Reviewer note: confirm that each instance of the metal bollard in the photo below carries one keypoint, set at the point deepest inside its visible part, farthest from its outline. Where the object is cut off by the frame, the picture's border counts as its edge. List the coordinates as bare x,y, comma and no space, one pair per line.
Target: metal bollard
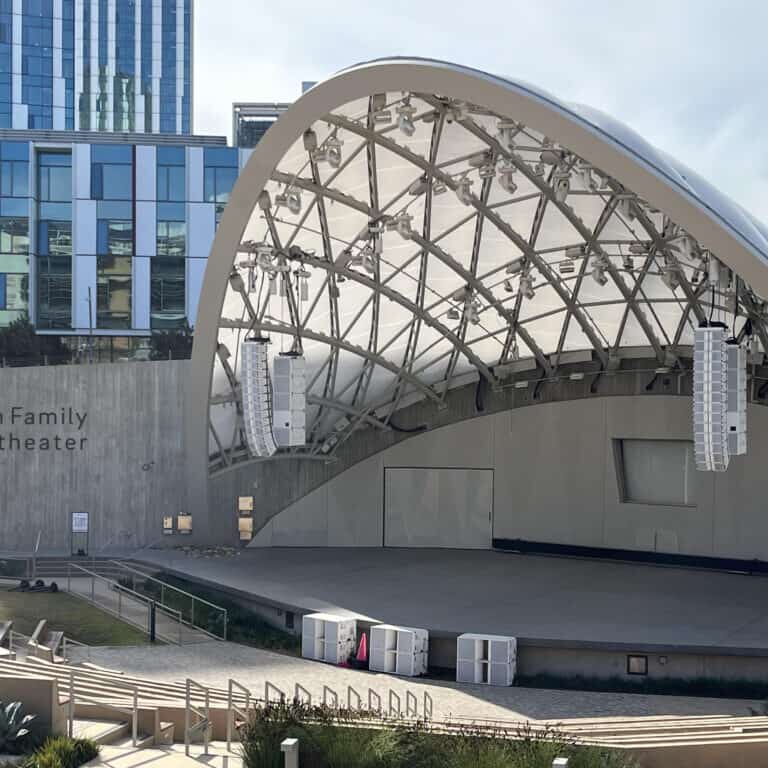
290,748
560,762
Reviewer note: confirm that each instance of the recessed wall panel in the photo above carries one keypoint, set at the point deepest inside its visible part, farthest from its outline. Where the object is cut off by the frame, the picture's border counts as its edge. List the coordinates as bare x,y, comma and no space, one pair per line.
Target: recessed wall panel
441,508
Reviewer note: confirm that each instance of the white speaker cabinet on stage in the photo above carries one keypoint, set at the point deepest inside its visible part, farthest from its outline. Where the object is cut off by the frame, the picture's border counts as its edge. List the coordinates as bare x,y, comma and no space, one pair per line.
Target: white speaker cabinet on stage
486,659
325,637
399,650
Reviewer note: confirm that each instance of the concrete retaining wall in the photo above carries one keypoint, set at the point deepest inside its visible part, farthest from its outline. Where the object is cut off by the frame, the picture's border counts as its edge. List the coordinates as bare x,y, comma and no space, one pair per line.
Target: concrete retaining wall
555,481
103,439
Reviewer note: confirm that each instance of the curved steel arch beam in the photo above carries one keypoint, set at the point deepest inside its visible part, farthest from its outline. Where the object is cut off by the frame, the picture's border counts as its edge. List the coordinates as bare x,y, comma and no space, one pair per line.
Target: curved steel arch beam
429,246
490,215
619,158
340,344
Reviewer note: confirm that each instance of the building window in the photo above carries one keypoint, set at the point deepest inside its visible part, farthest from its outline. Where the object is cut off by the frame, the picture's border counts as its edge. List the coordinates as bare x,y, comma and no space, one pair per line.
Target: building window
14,296
658,472
168,293
111,172
637,665
54,238
113,291
114,237
14,169
220,174
54,180
171,177
171,229
54,292
14,236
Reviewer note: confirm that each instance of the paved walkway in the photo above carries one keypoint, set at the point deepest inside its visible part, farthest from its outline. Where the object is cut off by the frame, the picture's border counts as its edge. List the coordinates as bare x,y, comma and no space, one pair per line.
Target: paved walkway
166,757
502,593
102,594
215,663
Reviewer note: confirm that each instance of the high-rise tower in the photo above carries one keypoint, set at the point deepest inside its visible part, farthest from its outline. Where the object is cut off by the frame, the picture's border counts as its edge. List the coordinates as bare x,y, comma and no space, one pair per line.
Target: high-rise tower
96,65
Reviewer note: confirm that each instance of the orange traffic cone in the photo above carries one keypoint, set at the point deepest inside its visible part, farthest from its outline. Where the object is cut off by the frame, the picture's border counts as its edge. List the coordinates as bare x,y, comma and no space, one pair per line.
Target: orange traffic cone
362,651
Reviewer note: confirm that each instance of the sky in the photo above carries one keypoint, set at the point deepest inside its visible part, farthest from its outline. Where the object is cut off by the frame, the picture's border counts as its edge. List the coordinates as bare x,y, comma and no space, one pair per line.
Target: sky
690,76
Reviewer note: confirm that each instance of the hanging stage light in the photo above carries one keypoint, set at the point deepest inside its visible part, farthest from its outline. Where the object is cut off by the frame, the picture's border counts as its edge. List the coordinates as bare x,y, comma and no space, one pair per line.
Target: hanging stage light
599,265
293,201
507,130
405,113
507,178
526,286
381,115
561,184
333,151
625,208
508,286
403,225
670,276
453,314
463,190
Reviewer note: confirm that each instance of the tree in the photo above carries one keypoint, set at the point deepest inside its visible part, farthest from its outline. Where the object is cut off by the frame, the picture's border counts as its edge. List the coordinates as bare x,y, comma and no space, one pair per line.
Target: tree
19,343
173,344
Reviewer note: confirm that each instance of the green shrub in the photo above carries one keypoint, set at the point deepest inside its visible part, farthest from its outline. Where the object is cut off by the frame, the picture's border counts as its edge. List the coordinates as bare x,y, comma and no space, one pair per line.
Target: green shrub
15,734
336,739
63,752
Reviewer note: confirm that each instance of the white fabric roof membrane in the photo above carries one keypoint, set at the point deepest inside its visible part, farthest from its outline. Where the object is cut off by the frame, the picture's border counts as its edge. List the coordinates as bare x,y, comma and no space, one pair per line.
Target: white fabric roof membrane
410,239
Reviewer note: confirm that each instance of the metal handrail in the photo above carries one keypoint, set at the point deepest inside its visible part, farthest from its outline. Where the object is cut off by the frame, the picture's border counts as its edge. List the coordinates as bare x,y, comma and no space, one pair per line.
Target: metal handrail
165,586
233,710
204,715
76,644
133,712
121,590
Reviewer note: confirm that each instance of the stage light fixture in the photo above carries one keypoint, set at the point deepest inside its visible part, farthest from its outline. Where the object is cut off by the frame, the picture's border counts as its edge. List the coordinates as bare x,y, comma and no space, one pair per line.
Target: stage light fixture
507,178
561,184
333,151
526,286
293,201
463,190
453,314
405,113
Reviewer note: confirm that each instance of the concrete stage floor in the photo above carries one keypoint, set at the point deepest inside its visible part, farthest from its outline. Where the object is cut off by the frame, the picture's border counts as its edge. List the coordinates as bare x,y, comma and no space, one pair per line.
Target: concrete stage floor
531,597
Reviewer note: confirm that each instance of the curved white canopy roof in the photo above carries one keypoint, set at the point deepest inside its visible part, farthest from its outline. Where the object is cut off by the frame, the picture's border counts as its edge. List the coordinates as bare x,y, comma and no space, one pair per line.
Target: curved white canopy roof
410,222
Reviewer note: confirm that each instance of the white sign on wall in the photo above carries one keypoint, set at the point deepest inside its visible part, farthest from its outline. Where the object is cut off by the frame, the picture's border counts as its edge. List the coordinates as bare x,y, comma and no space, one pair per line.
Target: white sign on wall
79,522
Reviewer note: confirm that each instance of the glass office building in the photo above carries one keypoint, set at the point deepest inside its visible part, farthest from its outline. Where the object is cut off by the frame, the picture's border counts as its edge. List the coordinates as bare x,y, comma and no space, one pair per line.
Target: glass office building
251,120
96,65
109,238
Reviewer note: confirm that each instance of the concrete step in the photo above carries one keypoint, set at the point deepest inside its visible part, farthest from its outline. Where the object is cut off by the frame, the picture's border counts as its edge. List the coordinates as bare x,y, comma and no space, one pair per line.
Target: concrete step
144,741
100,731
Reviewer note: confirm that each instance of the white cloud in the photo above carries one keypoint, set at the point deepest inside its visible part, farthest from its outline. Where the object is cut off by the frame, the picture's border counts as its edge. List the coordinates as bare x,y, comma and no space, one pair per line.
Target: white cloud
690,76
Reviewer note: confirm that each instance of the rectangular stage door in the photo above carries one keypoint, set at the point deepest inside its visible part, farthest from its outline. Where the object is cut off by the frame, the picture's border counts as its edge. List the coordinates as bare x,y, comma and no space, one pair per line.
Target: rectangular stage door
440,508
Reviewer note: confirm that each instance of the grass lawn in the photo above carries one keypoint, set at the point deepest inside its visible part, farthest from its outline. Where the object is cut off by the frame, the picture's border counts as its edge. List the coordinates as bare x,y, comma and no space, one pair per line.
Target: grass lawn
74,617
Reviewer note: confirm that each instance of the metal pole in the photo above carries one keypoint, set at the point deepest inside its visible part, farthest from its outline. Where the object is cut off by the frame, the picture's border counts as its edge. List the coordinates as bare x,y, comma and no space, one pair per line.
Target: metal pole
152,621
186,722
90,326
71,710
135,723
207,732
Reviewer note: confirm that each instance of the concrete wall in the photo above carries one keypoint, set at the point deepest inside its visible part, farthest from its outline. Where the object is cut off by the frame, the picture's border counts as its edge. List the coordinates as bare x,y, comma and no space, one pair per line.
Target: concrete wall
128,472
555,481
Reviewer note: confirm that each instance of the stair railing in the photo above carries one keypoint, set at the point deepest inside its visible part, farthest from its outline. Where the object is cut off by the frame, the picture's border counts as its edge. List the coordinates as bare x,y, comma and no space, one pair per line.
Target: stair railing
233,710
203,715
131,711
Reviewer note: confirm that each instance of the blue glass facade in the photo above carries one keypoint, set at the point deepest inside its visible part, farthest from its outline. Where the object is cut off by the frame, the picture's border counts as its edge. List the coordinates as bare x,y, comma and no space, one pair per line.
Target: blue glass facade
101,76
